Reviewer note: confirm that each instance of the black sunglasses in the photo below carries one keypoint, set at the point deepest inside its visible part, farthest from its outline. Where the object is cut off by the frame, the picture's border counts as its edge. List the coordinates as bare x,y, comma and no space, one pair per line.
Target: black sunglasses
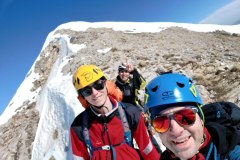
98,85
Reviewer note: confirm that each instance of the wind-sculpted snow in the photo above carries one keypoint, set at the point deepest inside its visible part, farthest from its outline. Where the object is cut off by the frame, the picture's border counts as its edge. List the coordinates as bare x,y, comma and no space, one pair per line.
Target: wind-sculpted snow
52,137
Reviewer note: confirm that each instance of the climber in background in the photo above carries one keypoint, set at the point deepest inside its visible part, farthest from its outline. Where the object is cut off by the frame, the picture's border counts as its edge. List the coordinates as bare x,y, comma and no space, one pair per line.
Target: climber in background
129,81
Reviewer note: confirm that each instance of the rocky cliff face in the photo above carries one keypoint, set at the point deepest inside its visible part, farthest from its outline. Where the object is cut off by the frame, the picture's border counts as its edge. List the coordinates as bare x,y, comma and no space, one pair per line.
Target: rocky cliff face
211,59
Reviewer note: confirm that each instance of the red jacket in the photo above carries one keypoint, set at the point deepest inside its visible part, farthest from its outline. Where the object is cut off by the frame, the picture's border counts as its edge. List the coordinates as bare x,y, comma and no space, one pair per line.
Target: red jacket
113,134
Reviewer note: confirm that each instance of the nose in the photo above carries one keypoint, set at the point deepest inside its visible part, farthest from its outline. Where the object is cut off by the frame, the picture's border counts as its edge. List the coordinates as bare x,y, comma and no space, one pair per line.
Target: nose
94,91
175,128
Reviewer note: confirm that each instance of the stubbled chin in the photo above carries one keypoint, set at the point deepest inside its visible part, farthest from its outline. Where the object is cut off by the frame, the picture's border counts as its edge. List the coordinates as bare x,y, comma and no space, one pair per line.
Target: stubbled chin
184,150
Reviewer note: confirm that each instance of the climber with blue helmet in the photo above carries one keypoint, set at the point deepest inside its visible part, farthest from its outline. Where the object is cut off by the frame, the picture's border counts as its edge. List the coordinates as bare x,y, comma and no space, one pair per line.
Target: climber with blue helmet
174,105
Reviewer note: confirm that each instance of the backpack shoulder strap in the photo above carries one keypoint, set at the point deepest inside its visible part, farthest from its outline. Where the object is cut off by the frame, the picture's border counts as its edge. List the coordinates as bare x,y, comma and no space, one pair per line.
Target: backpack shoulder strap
85,133
125,124
82,132
138,81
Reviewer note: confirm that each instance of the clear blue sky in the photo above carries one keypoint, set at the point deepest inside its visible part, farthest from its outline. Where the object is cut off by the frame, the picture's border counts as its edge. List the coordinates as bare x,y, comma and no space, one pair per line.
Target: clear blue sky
24,26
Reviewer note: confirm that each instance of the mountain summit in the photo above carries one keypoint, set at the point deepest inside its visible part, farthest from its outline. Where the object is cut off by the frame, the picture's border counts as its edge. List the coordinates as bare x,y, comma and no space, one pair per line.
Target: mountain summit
35,125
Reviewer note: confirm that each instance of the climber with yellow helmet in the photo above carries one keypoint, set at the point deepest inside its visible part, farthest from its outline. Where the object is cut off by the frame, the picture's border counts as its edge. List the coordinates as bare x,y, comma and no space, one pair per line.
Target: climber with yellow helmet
106,128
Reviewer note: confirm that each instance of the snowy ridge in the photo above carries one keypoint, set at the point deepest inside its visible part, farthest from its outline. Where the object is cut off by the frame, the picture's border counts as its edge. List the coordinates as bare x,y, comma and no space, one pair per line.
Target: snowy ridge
137,27
57,103
23,93
62,105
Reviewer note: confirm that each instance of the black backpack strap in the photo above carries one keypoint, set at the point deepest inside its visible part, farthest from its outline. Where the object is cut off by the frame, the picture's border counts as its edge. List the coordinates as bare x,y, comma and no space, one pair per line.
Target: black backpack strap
125,124
80,127
138,80
85,133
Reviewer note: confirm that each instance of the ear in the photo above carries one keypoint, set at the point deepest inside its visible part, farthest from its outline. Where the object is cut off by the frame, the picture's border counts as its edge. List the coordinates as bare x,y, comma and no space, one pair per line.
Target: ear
202,122
82,101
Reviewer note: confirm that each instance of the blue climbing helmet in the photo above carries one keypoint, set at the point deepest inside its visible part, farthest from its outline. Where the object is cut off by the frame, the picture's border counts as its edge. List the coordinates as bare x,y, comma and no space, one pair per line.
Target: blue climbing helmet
169,89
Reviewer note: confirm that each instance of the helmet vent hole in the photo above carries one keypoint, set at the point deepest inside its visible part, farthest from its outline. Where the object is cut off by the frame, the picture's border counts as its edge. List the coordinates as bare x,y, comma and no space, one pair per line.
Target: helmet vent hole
181,85
78,81
155,89
95,71
190,81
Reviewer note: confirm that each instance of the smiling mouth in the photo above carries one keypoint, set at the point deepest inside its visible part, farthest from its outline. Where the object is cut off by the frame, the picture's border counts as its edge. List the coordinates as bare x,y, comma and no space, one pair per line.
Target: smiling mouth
96,98
182,141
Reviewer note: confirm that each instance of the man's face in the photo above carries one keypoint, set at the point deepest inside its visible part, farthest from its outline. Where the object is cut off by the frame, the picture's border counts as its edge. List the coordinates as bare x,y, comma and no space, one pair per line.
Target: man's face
183,140
124,75
98,94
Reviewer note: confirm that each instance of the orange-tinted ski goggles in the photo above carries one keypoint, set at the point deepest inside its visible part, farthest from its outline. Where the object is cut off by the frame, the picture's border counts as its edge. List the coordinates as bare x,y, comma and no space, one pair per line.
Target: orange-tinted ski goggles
183,117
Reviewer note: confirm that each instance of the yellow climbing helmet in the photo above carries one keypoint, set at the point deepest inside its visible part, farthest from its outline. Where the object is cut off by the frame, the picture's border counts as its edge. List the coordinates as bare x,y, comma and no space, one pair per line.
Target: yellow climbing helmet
85,75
